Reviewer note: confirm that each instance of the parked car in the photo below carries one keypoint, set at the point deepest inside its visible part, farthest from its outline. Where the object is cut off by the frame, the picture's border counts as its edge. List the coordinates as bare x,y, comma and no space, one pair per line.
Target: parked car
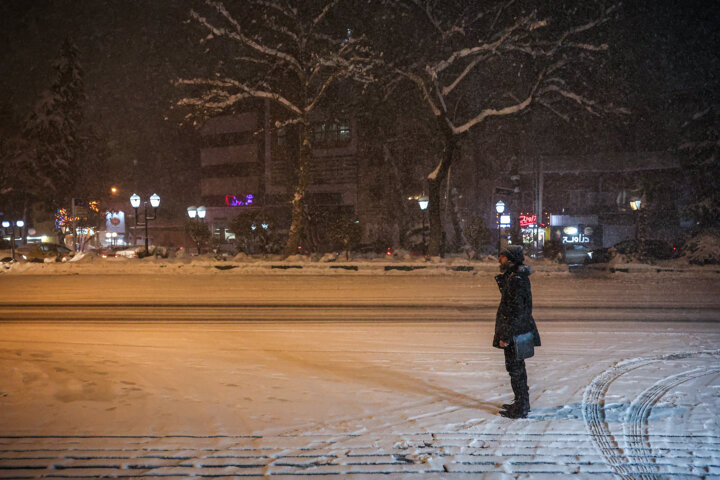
106,252
138,251
130,252
38,252
576,254
599,255
655,249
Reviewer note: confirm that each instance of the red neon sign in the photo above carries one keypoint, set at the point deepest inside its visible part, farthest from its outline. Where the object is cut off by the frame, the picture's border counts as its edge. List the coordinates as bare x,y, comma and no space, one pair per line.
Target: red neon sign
527,220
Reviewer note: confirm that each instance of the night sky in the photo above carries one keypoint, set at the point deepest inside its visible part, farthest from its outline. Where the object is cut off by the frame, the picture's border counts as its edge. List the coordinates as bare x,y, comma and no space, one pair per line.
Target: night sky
663,65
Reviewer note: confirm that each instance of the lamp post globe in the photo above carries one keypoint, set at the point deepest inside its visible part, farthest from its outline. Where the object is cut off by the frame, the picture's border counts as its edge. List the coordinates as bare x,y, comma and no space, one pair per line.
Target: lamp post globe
155,200
5,224
423,202
500,206
201,212
192,211
20,224
135,200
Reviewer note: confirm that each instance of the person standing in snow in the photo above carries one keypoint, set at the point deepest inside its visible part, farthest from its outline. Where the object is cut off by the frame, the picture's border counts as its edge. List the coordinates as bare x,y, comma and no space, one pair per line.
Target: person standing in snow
514,317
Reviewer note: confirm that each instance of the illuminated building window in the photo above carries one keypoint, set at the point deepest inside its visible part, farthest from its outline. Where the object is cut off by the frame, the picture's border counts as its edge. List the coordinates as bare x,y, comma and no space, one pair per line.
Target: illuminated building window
331,134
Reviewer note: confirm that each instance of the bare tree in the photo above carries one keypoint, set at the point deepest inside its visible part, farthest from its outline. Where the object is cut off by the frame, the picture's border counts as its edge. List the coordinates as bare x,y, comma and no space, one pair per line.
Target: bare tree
700,159
472,63
289,52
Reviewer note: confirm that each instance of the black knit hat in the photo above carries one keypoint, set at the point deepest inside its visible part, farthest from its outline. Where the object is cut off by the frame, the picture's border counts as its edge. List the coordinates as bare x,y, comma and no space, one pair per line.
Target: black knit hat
514,253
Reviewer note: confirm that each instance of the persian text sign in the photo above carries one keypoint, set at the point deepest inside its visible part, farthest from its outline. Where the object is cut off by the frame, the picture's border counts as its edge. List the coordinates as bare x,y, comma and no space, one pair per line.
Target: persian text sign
579,238
239,200
527,220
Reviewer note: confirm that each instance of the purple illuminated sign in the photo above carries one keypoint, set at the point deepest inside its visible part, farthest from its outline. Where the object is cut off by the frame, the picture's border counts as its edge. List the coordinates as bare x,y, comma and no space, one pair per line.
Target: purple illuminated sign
239,200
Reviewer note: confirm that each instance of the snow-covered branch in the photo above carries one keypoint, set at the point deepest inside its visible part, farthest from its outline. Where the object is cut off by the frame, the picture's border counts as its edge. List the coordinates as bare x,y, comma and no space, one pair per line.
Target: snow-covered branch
501,38
243,39
428,8
218,98
470,66
319,95
323,13
491,112
287,12
588,104
420,82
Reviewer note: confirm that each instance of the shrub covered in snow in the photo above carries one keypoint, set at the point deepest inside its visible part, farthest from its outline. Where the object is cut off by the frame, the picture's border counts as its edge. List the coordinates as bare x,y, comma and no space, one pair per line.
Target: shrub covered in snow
703,248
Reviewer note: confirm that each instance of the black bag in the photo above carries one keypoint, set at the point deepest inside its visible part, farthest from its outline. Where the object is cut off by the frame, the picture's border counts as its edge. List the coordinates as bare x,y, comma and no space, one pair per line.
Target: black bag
524,346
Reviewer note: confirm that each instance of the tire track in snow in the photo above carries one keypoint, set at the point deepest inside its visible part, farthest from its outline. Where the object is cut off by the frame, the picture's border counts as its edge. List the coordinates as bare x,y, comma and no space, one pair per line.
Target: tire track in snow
636,424
594,408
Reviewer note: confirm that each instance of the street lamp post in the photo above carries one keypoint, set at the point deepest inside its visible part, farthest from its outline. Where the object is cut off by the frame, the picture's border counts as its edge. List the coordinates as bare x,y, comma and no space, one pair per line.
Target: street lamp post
423,204
154,203
197,214
8,224
638,206
500,208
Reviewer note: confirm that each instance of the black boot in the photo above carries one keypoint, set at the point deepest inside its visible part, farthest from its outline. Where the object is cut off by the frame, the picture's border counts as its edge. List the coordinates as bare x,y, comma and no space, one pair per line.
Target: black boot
518,380
510,406
517,410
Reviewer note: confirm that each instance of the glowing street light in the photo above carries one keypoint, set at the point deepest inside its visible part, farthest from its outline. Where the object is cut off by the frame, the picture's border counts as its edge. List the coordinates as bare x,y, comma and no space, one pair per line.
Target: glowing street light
504,220
197,214
7,224
155,203
423,202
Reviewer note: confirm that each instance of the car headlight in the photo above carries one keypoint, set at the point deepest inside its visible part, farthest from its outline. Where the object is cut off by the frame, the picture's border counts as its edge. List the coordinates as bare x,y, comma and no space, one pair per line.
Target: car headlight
24,257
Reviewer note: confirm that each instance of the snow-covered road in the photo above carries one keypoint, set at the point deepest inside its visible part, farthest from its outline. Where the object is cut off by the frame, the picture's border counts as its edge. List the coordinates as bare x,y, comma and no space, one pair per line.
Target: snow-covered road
409,399
357,393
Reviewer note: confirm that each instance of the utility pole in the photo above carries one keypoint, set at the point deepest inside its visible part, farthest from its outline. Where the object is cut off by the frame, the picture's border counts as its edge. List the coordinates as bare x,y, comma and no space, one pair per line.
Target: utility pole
515,233
539,218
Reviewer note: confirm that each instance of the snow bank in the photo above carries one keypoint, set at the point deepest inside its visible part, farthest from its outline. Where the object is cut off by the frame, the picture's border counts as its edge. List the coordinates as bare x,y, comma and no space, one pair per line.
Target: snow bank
703,249
332,264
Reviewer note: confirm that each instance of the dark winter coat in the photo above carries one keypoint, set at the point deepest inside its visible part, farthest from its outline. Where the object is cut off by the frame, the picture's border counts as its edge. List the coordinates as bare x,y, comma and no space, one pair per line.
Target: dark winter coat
514,315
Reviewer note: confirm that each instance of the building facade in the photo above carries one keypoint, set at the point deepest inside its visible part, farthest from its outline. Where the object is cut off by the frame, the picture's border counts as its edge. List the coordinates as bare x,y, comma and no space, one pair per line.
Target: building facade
591,195
248,164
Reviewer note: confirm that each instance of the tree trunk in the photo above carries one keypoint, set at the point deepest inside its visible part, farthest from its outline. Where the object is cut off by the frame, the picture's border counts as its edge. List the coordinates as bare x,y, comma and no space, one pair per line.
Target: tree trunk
641,233
435,186
460,242
398,212
298,222
24,230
